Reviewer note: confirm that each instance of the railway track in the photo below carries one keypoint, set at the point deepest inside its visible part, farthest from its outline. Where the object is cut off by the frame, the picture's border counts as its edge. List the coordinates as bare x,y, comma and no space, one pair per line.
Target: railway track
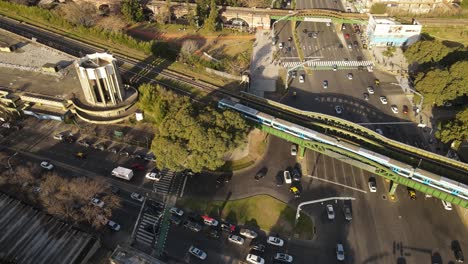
77,48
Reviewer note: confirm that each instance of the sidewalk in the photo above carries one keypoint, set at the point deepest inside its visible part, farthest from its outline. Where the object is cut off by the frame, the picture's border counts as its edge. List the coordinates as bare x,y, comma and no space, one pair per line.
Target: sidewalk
263,72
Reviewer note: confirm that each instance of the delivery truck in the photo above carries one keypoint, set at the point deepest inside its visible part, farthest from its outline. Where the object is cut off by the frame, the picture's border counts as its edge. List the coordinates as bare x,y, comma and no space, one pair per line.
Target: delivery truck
123,173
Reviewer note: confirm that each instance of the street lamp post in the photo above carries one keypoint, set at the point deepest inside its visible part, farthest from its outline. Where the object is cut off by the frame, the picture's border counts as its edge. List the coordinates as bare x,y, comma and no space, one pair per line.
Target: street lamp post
298,211
9,165
282,18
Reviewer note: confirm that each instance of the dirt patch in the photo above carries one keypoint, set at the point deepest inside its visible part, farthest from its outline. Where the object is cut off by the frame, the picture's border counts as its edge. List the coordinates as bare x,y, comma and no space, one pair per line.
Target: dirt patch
253,149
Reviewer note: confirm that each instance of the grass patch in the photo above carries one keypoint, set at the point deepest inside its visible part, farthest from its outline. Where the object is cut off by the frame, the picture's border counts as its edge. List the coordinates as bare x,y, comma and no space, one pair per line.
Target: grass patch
261,211
452,33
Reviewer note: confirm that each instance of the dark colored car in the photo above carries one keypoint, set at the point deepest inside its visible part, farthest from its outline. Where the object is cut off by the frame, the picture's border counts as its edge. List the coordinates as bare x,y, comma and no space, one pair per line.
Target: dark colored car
84,143
258,247
261,173
227,227
347,212
222,179
192,226
457,251
137,166
69,139
137,156
405,109
176,220
355,43
296,174
280,179
150,157
115,190
213,233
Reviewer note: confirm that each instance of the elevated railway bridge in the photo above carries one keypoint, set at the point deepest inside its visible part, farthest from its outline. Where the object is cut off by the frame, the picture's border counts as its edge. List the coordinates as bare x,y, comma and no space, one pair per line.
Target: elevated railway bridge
427,172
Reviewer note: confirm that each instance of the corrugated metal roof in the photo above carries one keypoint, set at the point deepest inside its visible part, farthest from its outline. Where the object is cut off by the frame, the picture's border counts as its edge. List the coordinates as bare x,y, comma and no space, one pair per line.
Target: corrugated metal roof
28,235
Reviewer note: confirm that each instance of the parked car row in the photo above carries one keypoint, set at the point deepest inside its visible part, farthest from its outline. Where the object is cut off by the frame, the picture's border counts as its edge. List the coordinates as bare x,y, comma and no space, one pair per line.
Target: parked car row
71,138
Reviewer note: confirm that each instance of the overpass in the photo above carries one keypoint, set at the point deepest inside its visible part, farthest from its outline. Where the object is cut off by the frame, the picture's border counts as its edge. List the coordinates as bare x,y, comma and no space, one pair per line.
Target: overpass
424,171
259,17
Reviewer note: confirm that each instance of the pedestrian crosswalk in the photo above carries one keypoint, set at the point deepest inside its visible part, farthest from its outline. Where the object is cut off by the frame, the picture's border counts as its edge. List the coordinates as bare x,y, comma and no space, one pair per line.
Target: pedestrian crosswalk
163,186
148,228
328,65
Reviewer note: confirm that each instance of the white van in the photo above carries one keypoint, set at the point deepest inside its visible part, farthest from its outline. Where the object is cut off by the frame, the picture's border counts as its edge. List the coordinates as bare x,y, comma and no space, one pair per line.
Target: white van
123,173
447,205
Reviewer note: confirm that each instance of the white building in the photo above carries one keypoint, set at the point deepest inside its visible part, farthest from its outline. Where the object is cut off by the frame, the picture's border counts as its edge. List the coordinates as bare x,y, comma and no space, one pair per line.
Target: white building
412,6
385,31
100,79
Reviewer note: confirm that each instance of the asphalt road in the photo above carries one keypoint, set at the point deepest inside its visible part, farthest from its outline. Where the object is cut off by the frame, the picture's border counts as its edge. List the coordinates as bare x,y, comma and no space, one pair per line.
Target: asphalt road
283,31
320,4
381,231
330,44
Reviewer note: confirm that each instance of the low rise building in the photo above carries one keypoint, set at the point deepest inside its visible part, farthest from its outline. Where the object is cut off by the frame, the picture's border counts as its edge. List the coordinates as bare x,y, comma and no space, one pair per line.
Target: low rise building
386,31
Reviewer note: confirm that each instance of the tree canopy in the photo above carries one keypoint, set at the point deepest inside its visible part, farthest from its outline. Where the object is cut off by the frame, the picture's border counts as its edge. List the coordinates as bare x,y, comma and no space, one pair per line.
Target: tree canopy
189,136
456,129
132,10
442,85
426,51
212,20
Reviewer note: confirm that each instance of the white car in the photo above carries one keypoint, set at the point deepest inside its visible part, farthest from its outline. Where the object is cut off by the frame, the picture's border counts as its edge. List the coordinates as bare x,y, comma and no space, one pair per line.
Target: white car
325,84
301,78
335,67
287,177
248,233
236,239
97,202
338,109
176,211
328,24
137,196
47,165
293,149
254,259
155,176
276,241
330,212
281,45
197,252
447,205
350,76
283,257
383,99
378,130
394,109
370,89
113,225
339,252
372,185
58,136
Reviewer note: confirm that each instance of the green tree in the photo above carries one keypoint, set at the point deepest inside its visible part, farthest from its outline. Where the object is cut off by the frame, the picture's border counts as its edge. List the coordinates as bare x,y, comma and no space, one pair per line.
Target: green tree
456,129
212,20
187,135
426,51
442,85
132,10
432,85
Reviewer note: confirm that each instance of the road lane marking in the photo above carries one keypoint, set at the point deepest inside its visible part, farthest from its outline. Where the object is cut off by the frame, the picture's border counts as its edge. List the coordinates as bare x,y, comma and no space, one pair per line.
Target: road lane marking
337,183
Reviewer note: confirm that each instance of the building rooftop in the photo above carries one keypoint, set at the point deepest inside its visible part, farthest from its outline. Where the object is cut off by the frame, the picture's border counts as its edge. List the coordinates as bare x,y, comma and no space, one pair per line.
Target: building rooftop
386,21
128,255
32,236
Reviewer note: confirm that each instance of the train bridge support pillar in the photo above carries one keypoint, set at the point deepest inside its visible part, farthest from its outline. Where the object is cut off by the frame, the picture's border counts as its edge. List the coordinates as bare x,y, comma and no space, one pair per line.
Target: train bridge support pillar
393,187
302,151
